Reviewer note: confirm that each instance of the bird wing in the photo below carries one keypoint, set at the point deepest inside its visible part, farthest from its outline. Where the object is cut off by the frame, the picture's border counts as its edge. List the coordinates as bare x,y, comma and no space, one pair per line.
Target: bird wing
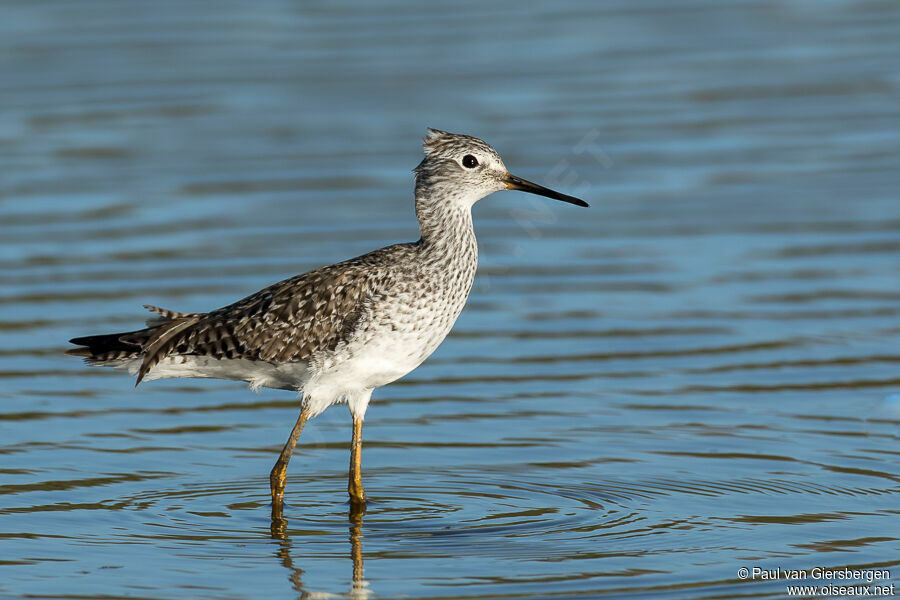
163,315
289,321
294,319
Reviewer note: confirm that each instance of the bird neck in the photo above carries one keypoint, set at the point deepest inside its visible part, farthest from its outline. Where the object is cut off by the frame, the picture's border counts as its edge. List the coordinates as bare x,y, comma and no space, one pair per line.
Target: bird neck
446,225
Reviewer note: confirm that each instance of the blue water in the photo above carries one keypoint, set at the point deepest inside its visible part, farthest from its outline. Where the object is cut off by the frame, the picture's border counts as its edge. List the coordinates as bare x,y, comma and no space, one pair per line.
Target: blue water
697,374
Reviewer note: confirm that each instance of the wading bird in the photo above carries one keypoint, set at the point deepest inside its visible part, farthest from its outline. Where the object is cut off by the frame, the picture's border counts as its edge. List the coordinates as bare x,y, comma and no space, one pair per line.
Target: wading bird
338,332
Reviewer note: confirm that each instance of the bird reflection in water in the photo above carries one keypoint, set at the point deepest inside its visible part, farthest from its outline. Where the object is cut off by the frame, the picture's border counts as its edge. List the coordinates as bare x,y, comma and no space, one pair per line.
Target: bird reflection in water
359,587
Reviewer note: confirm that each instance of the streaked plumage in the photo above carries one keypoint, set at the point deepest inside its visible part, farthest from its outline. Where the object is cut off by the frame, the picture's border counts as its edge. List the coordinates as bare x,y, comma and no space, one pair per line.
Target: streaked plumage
338,332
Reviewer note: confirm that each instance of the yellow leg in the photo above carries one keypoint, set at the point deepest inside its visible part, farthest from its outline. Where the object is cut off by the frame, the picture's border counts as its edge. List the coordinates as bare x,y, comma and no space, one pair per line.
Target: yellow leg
277,476
355,486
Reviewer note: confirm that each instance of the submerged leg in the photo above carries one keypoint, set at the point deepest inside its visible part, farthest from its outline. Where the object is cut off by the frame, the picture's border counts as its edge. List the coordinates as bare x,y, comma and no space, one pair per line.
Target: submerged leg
277,476
355,486
356,553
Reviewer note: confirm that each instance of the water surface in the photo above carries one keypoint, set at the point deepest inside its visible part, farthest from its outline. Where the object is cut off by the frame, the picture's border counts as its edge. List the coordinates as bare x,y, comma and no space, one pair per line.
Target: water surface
697,374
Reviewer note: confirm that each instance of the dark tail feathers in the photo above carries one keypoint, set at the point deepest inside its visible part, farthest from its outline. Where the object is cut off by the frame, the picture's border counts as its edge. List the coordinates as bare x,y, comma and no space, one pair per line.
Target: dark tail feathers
102,348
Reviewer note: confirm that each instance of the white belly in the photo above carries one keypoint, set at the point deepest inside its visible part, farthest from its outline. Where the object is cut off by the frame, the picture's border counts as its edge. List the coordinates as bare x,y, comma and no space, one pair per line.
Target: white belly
287,376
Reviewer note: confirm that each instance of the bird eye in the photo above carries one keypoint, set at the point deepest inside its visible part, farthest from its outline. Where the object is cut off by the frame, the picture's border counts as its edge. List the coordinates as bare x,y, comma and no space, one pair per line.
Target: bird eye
469,161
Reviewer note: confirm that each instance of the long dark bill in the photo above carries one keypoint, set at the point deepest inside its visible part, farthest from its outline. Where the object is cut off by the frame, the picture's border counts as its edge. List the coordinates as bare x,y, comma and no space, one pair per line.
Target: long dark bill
517,183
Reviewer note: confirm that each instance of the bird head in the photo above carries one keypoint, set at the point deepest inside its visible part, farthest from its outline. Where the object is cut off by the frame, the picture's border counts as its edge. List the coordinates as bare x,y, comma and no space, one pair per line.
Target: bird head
465,169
